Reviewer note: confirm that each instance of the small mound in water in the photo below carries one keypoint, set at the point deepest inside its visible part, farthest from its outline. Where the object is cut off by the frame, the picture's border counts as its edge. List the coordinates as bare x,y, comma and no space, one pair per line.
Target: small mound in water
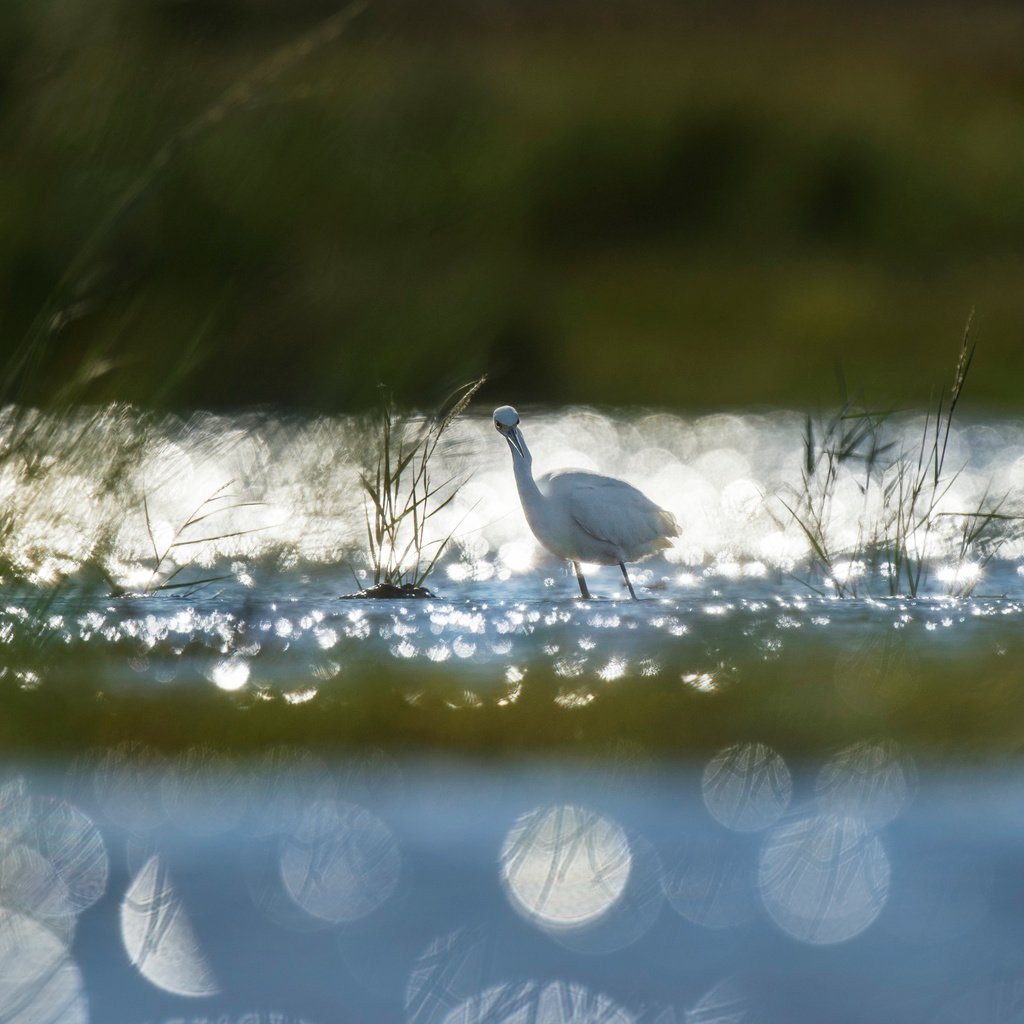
388,590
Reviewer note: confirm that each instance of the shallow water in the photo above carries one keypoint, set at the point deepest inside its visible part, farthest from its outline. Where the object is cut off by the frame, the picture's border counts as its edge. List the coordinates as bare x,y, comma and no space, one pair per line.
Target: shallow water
312,642
738,799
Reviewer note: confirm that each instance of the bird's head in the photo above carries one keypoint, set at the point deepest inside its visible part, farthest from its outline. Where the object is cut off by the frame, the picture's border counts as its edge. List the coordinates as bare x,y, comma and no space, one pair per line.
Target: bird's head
506,422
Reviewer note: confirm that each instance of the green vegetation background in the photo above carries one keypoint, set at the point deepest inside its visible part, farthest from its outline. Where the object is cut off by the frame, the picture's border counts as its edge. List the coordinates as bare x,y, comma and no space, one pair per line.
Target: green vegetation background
693,205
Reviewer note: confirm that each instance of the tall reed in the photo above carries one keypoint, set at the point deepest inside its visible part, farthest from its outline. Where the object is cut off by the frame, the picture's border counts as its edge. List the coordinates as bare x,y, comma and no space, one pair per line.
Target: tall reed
402,496
908,485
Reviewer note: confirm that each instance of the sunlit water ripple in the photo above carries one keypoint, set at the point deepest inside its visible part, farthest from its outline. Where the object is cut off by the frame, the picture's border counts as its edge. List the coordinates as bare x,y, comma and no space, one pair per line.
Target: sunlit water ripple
237,641
257,521
265,498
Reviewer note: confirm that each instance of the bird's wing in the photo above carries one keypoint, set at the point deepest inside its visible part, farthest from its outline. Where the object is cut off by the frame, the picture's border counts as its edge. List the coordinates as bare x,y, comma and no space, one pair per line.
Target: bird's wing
612,511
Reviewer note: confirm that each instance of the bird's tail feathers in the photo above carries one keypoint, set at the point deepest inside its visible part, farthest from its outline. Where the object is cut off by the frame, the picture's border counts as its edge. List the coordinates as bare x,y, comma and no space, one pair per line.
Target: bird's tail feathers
670,525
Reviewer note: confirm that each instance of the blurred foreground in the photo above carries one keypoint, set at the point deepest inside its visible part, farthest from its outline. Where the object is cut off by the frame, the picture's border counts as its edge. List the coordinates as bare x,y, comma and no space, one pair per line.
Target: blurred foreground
741,888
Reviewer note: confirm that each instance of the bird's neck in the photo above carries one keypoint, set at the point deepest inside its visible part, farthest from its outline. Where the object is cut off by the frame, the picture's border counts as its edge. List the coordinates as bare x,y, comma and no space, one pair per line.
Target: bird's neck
522,467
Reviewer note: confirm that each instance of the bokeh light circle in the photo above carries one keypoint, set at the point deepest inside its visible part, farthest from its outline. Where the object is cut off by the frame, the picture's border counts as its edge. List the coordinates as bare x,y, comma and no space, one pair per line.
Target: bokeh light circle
823,879
564,866
746,787
341,863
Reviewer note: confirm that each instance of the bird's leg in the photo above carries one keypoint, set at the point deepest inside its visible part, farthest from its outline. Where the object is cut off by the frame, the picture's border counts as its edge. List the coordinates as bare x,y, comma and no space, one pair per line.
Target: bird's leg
582,582
625,576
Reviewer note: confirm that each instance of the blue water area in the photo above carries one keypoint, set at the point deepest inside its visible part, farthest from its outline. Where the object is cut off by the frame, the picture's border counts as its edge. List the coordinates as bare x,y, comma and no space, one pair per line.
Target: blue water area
865,887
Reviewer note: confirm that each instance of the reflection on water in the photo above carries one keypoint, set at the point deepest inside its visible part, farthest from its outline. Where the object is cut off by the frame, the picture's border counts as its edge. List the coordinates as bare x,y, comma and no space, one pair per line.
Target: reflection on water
340,863
823,878
462,893
526,1003
629,917
726,1003
158,935
869,781
746,787
449,971
139,501
39,982
565,866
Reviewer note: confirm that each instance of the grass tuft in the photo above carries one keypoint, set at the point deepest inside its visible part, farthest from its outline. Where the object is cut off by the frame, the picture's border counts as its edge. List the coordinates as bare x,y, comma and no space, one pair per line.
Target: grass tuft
402,497
904,489
167,561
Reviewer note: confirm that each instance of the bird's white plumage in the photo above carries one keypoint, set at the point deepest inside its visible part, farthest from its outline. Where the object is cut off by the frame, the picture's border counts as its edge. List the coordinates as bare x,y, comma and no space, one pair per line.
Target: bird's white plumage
605,520
584,516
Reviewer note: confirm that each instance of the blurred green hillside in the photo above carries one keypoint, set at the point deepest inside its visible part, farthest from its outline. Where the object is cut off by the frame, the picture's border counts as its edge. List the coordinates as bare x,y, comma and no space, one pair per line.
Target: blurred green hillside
226,202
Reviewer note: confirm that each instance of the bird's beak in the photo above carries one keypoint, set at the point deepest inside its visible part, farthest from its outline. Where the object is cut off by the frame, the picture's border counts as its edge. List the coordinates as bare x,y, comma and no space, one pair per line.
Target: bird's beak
512,435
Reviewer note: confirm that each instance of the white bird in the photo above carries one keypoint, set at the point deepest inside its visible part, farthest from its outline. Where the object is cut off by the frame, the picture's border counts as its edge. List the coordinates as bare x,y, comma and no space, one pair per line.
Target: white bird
583,516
